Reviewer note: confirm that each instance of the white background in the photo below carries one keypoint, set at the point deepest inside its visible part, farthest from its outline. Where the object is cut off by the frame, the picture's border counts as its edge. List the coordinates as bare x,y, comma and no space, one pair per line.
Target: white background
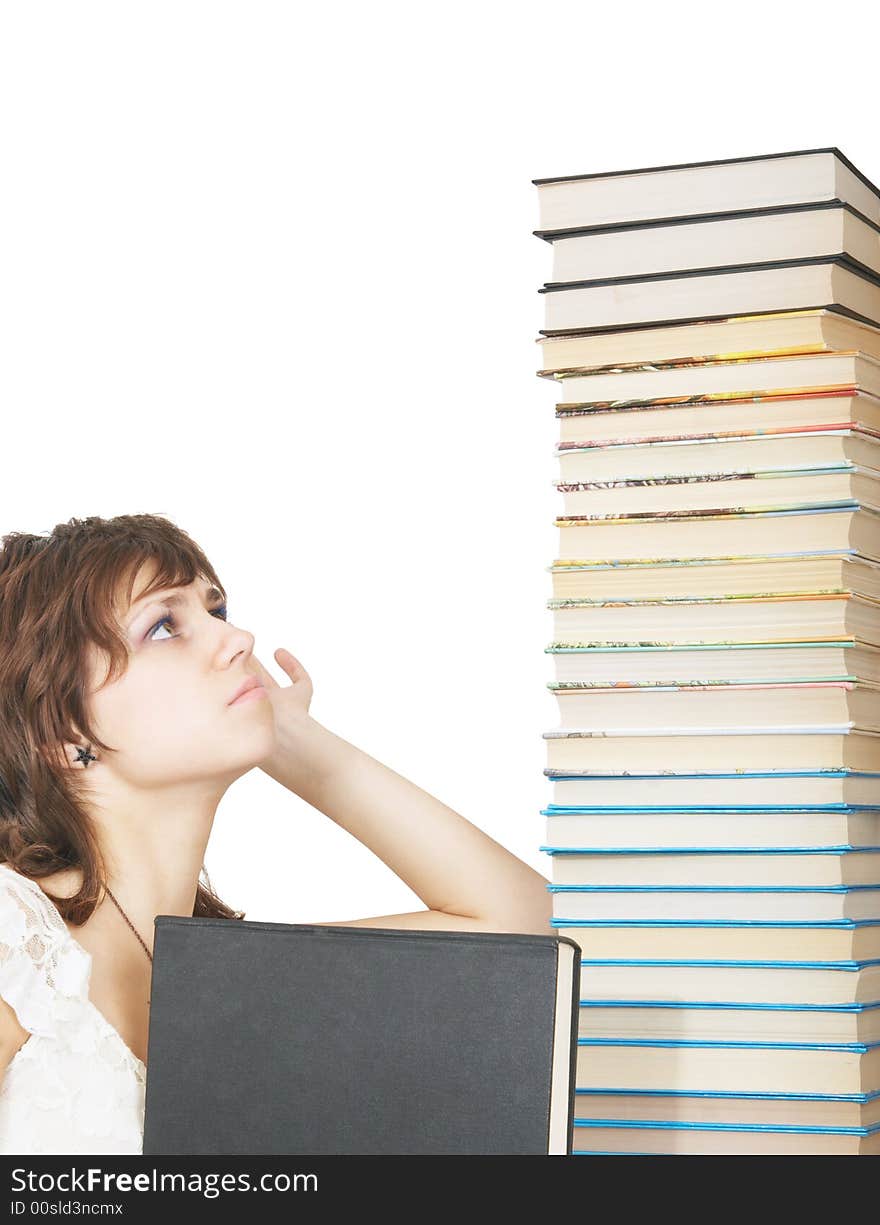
268,268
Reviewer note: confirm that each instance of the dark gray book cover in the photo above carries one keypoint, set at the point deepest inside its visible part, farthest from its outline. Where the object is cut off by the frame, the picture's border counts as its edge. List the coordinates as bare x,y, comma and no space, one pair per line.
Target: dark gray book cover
278,1038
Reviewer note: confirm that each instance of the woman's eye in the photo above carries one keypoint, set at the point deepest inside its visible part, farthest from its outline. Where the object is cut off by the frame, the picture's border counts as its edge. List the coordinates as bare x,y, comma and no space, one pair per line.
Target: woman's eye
168,619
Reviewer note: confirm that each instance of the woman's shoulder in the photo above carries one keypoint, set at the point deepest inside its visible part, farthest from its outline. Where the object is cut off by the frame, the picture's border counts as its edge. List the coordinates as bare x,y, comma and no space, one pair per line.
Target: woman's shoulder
34,939
39,963
25,911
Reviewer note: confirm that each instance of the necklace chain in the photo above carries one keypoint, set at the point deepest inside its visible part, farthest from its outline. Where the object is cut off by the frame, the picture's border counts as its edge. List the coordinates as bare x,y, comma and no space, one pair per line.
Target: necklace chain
129,922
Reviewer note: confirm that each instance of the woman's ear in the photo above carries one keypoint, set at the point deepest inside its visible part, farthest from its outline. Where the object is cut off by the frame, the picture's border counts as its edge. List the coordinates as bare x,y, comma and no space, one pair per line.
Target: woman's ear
82,755
72,755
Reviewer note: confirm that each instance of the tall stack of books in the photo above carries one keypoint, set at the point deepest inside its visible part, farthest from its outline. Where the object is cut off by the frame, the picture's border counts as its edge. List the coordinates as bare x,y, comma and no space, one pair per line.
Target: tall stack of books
713,331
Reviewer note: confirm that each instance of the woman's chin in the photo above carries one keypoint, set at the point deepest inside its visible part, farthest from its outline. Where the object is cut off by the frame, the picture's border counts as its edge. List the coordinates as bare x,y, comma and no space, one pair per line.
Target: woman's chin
258,744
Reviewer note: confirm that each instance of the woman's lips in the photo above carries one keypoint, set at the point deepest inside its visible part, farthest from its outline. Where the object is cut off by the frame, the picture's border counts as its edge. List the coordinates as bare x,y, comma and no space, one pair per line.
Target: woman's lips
257,691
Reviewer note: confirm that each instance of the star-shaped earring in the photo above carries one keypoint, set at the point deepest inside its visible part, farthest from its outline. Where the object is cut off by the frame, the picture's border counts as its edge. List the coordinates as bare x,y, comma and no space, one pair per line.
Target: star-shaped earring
84,756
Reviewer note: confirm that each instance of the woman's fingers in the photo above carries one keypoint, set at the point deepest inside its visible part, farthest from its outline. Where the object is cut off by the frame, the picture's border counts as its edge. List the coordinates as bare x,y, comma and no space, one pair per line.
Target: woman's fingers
266,679
290,664
301,682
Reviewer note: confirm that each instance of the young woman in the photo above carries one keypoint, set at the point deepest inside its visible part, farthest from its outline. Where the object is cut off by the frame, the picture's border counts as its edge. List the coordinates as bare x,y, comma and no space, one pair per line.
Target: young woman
129,702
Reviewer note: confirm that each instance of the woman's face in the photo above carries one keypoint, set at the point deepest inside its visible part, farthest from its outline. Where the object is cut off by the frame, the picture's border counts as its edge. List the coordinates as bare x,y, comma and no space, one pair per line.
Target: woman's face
169,716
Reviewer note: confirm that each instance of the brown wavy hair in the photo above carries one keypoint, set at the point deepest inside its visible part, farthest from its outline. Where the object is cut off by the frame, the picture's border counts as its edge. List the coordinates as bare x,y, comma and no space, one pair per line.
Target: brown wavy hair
59,593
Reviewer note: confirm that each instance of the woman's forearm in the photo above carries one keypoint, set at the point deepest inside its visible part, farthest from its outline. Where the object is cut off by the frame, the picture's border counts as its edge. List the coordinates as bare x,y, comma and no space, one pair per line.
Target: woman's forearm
448,862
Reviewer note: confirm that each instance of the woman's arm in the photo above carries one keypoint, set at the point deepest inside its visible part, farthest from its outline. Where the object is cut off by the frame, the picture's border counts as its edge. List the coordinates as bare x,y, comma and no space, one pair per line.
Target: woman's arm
467,880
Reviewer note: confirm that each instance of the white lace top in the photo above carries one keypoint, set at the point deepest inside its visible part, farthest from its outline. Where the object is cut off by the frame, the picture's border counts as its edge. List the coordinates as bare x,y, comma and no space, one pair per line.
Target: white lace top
74,1086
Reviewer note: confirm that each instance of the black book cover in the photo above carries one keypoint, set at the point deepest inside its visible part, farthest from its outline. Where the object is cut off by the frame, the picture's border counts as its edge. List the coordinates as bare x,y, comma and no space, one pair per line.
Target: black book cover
842,260
838,257
719,161
275,1038
610,227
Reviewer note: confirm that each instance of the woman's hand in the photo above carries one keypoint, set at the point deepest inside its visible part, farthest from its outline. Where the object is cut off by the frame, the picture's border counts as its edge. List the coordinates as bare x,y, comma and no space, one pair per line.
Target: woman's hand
290,707
288,701
293,761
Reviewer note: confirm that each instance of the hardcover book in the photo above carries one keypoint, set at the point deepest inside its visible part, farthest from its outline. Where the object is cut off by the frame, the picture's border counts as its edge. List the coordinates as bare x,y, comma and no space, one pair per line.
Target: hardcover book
712,333
285,1038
